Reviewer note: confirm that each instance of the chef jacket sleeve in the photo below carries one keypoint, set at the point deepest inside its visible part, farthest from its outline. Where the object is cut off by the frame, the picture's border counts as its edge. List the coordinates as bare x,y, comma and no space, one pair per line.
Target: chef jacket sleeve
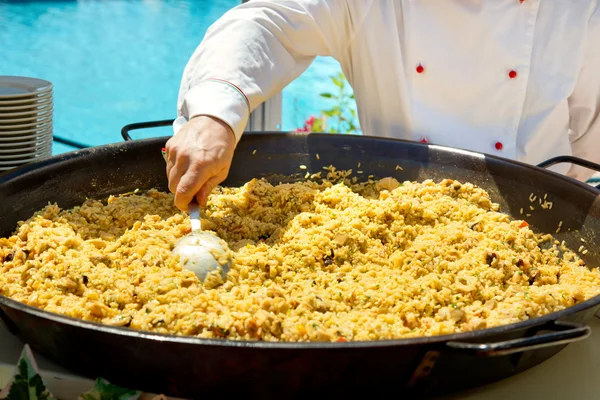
256,49
584,103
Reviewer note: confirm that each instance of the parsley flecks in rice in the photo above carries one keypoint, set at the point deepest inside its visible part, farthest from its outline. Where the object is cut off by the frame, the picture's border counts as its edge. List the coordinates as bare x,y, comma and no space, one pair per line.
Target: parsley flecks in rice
314,261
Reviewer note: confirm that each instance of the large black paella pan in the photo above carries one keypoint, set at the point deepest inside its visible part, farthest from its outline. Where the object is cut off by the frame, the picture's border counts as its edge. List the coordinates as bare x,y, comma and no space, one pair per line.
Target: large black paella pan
192,367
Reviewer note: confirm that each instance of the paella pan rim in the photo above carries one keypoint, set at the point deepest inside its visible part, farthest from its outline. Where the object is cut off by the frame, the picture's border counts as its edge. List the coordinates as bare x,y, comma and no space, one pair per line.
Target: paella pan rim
65,157
161,337
192,340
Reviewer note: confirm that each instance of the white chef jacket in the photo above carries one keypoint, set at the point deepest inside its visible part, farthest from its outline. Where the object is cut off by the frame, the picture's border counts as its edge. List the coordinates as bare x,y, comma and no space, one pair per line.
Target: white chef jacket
515,78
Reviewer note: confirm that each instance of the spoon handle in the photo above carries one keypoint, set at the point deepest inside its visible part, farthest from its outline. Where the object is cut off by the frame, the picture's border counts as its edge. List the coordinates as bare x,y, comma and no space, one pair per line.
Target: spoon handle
194,211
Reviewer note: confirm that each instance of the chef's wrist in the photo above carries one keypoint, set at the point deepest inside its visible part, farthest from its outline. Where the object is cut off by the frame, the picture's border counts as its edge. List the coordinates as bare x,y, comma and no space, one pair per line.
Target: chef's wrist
203,119
220,100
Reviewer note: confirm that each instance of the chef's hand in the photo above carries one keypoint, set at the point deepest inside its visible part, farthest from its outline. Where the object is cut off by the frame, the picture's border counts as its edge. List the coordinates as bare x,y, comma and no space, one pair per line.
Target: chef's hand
198,159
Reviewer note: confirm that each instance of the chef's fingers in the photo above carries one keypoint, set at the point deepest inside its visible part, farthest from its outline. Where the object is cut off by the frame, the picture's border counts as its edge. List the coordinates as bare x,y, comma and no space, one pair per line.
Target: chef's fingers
174,178
181,161
177,171
190,184
173,174
202,196
169,167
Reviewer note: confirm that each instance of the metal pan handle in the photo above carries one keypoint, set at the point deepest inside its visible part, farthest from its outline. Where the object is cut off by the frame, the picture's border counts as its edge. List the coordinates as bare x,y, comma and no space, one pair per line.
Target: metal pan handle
572,160
144,125
564,333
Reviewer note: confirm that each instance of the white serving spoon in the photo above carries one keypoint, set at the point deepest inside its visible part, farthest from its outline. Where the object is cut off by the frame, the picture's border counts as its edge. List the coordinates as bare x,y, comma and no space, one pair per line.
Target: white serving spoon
200,251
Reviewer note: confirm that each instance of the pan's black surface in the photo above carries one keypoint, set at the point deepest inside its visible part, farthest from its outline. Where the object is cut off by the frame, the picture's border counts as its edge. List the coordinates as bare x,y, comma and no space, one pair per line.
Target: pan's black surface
192,367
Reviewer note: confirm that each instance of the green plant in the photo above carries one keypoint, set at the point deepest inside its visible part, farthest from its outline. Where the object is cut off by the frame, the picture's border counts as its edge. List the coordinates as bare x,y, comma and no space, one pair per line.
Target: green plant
103,390
341,117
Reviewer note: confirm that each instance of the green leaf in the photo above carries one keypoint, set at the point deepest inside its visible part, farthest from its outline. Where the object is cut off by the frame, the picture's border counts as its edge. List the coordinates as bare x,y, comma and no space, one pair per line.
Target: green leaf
26,383
23,388
342,115
319,127
37,384
104,390
19,389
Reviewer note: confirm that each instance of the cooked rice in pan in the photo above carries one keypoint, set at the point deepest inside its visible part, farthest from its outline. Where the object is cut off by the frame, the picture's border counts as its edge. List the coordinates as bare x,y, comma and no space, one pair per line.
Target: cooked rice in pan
313,261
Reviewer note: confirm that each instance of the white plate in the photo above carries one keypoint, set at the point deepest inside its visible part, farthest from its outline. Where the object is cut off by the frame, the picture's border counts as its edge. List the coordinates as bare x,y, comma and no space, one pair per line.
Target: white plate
28,145
26,107
22,139
24,132
26,112
41,99
40,117
17,149
18,87
18,161
26,140
41,135
41,152
33,125
16,94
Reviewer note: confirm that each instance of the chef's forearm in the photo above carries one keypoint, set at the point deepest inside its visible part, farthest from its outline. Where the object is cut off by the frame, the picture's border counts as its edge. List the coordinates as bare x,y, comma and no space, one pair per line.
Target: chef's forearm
254,51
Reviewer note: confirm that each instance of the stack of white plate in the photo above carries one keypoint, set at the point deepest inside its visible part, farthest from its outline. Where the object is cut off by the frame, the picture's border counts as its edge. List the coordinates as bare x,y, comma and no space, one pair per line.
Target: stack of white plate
25,120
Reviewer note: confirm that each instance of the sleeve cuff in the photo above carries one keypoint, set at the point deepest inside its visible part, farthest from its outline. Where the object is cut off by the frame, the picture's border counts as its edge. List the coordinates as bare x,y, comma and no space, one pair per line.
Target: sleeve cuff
218,99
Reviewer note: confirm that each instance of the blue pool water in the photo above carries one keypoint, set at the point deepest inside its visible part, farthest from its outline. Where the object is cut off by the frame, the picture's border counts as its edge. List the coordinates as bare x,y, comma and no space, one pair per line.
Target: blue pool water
120,61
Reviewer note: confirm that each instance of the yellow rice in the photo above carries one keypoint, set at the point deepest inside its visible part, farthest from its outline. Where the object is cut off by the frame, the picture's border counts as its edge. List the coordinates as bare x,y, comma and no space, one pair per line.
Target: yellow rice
313,261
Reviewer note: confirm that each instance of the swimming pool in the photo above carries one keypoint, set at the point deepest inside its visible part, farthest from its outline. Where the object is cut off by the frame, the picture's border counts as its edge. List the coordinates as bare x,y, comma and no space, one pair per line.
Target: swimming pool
120,61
